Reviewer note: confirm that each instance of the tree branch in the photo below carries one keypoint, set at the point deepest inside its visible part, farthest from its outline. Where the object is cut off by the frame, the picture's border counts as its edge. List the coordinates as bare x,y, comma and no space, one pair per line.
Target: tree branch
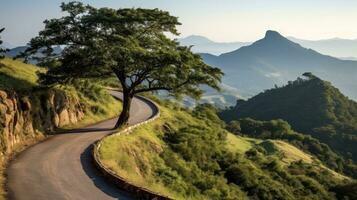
161,88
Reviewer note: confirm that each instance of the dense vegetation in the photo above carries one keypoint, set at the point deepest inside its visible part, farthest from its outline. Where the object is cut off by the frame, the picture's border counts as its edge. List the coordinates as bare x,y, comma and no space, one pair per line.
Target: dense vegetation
312,106
18,76
281,130
189,155
347,191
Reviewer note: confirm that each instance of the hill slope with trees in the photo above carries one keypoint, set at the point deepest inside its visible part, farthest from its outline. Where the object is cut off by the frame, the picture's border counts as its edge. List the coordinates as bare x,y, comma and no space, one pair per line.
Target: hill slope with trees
187,154
312,106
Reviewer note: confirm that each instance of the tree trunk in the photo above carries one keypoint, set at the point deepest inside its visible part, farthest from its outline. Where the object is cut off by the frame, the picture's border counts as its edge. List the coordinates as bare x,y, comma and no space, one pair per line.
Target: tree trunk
124,115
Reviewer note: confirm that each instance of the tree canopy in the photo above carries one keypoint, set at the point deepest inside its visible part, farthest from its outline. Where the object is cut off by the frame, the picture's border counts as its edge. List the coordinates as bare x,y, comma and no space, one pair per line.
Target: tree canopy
130,43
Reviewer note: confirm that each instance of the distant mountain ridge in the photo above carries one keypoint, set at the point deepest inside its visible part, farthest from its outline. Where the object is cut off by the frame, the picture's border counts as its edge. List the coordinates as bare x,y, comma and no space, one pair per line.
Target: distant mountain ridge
16,51
204,45
337,47
275,60
345,49
20,49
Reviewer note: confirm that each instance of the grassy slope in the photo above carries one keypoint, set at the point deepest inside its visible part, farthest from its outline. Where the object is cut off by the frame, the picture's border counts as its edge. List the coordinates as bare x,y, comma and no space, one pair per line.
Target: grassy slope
18,75
292,154
21,77
99,104
136,156
132,155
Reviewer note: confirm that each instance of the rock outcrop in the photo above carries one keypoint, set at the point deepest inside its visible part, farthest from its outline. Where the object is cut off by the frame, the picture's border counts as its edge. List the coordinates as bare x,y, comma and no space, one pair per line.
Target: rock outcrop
24,118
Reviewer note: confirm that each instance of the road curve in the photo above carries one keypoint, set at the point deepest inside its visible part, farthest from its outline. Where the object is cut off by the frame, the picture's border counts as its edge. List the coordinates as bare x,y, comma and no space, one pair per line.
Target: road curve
61,167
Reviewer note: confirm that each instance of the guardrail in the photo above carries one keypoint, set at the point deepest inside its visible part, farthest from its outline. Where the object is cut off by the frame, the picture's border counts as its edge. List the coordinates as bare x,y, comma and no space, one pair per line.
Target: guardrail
121,182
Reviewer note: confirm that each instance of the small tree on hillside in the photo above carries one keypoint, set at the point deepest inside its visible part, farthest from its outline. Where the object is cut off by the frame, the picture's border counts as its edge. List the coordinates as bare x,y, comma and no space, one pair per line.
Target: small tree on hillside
128,43
2,50
309,75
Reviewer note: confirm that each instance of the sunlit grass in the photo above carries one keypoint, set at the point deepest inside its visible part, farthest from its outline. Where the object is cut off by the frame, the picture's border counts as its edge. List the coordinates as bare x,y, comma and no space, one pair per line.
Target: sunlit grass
135,156
239,144
103,108
15,74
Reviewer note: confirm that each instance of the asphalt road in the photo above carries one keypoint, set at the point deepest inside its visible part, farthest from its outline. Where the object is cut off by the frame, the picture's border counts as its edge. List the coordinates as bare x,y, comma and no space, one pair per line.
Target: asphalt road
61,166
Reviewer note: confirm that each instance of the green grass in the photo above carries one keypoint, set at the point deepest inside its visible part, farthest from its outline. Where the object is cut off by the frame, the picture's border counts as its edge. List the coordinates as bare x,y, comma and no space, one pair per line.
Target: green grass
98,104
132,156
240,144
293,154
136,156
17,75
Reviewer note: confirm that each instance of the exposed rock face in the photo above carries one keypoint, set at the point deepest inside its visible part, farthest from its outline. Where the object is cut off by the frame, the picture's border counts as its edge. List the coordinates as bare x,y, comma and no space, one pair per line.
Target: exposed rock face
29,117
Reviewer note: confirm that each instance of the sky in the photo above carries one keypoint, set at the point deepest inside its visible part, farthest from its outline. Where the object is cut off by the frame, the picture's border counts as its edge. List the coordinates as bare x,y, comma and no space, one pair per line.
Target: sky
219,20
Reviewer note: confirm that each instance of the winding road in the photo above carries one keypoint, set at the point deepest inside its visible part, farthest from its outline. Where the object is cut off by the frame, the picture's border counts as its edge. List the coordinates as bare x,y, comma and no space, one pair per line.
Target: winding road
61,166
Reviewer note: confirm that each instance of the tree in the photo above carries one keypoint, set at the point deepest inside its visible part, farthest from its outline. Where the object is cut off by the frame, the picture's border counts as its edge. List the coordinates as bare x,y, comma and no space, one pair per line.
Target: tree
2,50
128,43
309,75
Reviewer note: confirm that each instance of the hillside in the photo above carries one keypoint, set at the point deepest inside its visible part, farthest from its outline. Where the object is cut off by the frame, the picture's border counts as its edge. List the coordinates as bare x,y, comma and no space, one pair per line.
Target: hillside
312,106
29,112
22,78
17,75
188,155
275,60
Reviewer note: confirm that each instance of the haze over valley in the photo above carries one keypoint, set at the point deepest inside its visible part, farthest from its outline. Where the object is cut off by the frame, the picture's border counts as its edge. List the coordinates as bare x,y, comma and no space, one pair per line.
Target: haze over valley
274,60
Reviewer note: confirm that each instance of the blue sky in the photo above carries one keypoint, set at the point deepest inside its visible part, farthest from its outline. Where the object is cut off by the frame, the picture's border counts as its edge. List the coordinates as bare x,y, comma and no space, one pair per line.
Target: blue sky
220,20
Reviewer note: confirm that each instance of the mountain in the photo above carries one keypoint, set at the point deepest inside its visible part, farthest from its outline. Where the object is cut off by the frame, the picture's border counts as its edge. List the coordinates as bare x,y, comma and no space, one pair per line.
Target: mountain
337,47
311,106
204,45
345,49
195,40
274,60
18,50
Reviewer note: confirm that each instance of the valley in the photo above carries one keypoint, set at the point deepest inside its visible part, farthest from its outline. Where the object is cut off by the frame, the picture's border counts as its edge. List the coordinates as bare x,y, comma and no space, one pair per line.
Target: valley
275,60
